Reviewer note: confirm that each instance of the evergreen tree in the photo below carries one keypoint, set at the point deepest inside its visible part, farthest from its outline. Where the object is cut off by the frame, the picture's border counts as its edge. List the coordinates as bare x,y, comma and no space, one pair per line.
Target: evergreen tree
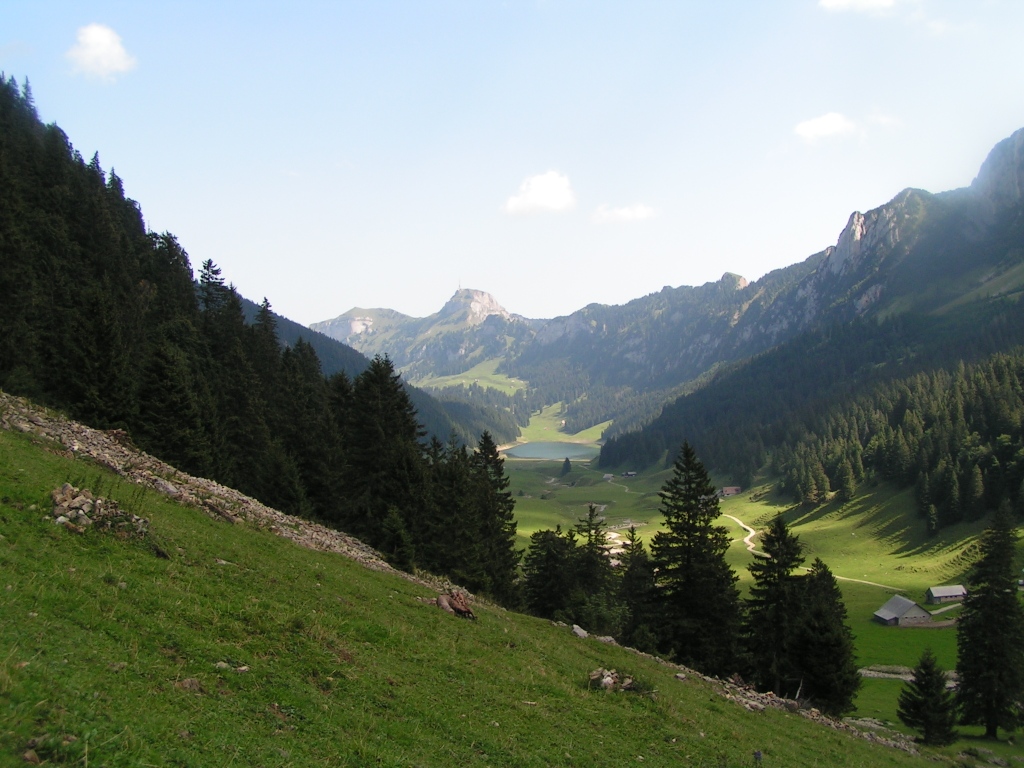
566,467
594,600
637,590
495,524
773,611
823,649
696,588
385,466
927,705
990,634
547,573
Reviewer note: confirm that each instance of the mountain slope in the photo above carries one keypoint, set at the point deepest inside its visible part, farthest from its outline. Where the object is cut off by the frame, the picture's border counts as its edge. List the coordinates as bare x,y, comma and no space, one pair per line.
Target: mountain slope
918,253
205,642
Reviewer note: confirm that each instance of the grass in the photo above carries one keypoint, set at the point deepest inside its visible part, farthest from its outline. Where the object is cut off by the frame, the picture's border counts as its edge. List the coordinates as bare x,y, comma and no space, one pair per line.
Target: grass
214,644
877,538
483,374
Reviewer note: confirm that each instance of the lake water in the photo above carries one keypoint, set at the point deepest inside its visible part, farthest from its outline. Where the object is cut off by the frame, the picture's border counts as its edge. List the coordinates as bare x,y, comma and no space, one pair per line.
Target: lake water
553,451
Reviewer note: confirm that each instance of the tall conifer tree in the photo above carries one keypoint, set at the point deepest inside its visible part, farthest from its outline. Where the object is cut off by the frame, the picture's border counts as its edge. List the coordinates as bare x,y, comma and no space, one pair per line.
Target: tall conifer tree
773,610
990,634
696,588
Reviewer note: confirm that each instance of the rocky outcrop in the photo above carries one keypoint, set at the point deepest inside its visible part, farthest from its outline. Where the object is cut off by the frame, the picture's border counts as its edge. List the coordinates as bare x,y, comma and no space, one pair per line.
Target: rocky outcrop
114,451
1001,179
77,509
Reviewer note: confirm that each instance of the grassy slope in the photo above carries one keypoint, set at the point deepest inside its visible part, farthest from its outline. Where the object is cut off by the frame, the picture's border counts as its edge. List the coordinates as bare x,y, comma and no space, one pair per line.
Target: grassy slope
346,666
482,374
868,539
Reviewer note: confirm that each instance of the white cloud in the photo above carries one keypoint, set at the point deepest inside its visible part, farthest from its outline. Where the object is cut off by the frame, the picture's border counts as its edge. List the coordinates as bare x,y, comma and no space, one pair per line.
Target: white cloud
857,5
827,126
99,53
635,212
548,191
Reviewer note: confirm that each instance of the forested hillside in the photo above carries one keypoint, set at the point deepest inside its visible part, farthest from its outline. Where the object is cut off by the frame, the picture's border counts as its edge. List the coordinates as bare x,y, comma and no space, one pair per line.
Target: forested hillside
103,319
914,287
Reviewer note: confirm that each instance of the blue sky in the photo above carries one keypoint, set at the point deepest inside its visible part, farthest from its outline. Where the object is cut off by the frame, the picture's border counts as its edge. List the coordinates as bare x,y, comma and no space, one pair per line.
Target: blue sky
381,154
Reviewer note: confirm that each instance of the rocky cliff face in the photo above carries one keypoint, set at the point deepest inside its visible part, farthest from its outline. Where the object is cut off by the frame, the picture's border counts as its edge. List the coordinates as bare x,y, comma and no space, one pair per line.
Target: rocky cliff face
1001,179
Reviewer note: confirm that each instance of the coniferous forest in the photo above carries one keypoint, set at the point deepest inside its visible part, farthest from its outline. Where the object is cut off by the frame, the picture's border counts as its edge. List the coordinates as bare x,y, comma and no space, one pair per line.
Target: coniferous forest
107,322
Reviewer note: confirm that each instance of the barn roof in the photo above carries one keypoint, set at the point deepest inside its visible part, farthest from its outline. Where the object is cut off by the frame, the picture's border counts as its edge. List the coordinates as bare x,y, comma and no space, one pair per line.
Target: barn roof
895,608
951,590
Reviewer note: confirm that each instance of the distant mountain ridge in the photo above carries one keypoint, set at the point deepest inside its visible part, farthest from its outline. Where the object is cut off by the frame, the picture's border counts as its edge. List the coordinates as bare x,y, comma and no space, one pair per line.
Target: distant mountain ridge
471,327
919,253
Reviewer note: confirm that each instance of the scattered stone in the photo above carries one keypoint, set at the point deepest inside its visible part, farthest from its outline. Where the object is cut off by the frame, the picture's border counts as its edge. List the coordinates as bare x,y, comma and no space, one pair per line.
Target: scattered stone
190,684
31,757
610,680
222,665
164,487
680,676
242,669
78,510
580,632
606,639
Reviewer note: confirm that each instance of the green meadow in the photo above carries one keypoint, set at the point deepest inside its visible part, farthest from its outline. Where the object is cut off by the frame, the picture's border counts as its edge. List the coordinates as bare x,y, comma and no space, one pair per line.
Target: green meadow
482,374
211,644
876,538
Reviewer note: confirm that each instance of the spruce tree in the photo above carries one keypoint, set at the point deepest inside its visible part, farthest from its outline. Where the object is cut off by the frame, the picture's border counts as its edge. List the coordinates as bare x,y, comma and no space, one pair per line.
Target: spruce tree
594,601
637,591
773,610
823,649
926,705
547,573
990,634
696,588
494,527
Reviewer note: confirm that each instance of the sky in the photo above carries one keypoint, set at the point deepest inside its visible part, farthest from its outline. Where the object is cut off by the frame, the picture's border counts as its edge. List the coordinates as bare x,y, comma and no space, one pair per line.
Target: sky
554,153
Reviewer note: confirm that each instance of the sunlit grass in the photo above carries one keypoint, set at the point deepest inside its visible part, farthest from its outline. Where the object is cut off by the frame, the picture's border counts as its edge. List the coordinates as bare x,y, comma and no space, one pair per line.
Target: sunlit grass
236,647
484,374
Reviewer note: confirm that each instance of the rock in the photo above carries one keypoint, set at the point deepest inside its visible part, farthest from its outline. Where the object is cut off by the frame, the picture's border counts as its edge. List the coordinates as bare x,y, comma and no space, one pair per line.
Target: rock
606,639
164,487
580,632
222,665
31,757
190,684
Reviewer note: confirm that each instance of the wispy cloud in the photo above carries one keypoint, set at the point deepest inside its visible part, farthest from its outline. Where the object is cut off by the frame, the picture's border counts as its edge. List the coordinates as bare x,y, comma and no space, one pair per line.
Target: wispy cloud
635,212
860,6
828,126
99,53
543,192
835,125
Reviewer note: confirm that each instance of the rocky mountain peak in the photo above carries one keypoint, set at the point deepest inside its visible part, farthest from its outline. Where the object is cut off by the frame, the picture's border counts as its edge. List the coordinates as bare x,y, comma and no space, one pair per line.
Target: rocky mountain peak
473,307
734,281
1001,178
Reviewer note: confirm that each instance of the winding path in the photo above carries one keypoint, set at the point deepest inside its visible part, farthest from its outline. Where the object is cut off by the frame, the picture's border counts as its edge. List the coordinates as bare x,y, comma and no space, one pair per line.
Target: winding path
751,547
751,533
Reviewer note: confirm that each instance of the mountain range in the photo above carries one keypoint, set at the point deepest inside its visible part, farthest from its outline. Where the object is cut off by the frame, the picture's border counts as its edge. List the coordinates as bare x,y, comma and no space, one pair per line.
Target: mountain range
918,254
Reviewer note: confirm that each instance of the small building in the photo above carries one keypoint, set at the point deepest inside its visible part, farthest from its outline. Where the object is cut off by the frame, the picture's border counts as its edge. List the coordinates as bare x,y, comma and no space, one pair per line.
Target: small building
900,611
730,490
629,474
948,594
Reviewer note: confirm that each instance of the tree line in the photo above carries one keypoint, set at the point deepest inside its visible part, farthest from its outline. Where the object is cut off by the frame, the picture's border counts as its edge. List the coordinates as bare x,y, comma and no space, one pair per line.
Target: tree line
105,320
956,435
